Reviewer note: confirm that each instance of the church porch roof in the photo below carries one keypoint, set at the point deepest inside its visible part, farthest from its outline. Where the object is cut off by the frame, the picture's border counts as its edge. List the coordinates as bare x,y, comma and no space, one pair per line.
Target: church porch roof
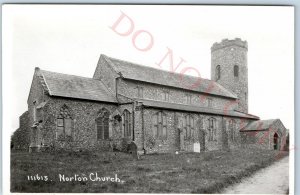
260,125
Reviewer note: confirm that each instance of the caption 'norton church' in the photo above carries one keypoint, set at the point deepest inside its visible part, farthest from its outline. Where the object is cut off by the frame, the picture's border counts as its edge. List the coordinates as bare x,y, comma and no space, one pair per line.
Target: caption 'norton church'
159,111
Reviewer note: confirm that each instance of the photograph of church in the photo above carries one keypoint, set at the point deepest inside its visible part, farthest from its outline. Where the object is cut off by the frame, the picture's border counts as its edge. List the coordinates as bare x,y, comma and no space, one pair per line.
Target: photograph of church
157,110
111,98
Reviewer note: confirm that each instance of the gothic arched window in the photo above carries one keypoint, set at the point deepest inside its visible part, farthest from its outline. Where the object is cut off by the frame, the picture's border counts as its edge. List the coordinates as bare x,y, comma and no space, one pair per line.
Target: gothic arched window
236,71
64,130
127,123
200,123
159,125
232,127
102,124
189,126
218,72
212,129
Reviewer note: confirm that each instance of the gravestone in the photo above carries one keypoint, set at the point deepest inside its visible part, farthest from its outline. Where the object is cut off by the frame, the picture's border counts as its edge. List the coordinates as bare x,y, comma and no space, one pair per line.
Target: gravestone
132,149
197,147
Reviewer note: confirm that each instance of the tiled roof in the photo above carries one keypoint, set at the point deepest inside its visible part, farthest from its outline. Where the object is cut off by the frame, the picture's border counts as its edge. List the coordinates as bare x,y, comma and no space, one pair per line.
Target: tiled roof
192,108
138,72
71,86
259,125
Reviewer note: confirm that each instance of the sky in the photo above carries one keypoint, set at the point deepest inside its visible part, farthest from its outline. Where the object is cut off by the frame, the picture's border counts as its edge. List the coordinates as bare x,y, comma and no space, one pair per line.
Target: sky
70,38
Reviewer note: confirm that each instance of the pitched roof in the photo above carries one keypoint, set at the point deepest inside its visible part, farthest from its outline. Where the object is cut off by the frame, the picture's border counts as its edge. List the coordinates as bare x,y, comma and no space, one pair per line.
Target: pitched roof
192,108
260,125
138,72
71,86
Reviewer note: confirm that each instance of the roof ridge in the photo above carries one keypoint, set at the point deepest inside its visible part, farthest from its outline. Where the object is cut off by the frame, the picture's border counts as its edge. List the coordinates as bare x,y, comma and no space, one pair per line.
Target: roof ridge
68,74
107,59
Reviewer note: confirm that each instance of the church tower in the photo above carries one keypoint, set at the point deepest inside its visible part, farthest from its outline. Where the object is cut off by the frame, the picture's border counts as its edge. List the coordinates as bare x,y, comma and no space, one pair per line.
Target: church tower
229,68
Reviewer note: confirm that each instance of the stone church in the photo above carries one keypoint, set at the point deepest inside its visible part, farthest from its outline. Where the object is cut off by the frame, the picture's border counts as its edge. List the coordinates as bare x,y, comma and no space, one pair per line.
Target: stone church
159,111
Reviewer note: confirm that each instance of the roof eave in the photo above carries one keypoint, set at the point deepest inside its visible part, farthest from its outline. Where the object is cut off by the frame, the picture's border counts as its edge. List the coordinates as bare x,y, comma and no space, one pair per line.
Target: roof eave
85,99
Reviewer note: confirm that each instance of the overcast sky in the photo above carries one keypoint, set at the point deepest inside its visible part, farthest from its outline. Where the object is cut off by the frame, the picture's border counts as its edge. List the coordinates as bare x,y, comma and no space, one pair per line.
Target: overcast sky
70,38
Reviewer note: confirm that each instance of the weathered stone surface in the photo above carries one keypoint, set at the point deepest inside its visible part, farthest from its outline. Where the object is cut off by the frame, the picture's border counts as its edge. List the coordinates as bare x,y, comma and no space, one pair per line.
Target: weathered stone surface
47,113
227,54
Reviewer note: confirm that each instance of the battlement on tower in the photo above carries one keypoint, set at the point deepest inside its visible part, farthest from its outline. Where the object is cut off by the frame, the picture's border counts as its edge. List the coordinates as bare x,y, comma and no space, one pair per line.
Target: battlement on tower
227,42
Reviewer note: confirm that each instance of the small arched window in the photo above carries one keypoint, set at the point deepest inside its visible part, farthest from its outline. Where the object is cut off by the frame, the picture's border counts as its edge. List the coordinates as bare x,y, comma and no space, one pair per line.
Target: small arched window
236,71
140,92
64,130
127,123
102,124
212,129
218,72
159,125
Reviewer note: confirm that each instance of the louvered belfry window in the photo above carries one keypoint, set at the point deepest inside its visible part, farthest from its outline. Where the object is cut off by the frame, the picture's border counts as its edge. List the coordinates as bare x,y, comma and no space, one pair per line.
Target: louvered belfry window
218,72
236,71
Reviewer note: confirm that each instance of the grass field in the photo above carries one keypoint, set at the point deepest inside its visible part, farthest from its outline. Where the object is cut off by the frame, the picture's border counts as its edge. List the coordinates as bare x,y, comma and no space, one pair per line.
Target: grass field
207,172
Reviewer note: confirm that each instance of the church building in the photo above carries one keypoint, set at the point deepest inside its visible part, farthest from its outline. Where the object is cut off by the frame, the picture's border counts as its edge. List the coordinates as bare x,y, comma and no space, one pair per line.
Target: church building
159,111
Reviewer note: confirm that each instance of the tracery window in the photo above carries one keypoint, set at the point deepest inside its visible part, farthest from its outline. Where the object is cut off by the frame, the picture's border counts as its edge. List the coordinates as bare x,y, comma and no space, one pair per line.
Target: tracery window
159,125
64,122
189,126
127,125
232,127
102,124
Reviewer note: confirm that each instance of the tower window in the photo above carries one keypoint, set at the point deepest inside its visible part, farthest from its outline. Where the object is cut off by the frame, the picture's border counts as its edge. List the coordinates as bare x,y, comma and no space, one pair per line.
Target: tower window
236,71
218,72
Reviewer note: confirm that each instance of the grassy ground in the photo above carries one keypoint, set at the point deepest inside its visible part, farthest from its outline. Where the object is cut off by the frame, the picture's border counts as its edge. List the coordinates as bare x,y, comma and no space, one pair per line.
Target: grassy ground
207,172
